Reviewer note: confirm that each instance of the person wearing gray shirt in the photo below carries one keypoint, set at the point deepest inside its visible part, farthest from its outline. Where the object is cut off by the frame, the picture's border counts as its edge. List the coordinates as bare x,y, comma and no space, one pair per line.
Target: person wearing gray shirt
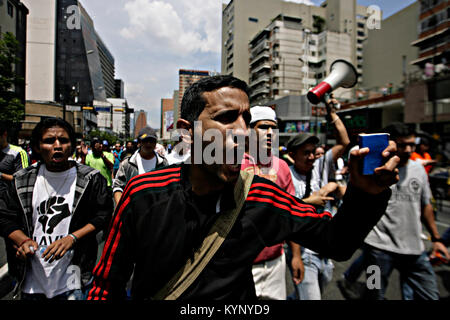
395,241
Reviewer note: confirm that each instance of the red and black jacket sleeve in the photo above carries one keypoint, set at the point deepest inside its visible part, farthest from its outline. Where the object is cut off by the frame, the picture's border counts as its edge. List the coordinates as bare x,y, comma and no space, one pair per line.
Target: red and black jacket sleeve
279,216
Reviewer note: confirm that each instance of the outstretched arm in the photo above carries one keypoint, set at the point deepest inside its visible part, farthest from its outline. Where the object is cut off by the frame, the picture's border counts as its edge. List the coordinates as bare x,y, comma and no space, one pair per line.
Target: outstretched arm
342,139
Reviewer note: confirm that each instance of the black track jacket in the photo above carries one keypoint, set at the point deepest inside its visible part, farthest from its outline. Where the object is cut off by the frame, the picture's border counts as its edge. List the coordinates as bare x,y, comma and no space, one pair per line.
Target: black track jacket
159,222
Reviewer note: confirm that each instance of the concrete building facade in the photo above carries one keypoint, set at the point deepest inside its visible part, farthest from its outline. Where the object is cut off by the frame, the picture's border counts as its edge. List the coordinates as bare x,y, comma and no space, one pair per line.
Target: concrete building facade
242,20
286,58
167,118
140,121
68,63
120,117
388,52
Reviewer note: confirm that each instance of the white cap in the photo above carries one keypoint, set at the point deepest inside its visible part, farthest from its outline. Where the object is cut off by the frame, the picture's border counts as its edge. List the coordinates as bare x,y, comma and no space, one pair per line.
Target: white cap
262,113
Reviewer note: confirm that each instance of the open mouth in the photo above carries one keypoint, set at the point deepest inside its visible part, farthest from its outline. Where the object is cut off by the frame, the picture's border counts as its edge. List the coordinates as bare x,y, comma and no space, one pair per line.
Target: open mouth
58,157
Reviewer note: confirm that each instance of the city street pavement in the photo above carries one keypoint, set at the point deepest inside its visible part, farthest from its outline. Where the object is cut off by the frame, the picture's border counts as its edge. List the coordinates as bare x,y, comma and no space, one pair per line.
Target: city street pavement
331,292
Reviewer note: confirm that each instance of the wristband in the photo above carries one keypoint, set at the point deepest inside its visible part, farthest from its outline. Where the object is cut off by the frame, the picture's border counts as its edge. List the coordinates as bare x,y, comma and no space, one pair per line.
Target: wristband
25,241
75,239
337,118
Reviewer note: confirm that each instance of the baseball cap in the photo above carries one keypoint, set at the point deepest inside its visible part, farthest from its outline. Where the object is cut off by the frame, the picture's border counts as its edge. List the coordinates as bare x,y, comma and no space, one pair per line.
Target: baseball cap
105,143
262,113
301,139
147,132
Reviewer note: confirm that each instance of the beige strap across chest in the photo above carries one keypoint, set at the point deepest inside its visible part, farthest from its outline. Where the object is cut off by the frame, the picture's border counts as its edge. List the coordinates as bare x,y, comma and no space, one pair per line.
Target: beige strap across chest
219,231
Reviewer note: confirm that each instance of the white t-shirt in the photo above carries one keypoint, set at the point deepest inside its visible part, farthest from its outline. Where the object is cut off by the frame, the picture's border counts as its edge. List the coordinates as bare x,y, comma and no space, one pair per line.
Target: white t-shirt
145,165
174,157
323,168
53,196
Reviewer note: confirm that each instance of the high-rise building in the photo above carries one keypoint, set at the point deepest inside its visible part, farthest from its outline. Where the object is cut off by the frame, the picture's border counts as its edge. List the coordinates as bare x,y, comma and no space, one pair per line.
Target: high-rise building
242,20
120,117
167,120
176,107
84,65
140,121
346,16
433,39
388,52
286,58
185,79
13,19
119,90
68,63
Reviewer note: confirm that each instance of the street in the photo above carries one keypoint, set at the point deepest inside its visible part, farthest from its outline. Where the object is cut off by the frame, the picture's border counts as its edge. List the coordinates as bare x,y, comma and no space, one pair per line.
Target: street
331,292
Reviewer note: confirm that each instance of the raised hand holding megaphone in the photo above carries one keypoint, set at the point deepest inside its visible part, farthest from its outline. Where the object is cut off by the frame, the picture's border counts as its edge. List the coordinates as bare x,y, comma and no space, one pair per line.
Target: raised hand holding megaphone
342,74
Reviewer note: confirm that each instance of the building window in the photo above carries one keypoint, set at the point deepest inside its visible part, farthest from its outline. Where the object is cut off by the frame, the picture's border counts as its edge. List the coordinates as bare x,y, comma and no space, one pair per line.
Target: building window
252,19
10,10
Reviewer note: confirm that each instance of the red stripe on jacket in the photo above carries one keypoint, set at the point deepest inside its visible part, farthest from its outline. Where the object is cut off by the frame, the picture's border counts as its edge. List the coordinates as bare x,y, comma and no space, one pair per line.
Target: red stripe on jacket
289,209
287,195
114,236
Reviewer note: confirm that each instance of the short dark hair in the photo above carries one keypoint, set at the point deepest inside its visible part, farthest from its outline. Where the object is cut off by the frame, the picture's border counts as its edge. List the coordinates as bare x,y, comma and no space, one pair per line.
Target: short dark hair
193,101
46,123
398,130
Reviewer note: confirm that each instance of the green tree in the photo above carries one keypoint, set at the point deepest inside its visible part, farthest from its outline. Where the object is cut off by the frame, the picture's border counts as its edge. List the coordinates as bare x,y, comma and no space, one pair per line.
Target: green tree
318,23
11,108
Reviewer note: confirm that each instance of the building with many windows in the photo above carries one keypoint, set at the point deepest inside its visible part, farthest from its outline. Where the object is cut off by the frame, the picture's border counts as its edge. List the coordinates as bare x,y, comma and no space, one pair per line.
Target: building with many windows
243,20
286,58
68,64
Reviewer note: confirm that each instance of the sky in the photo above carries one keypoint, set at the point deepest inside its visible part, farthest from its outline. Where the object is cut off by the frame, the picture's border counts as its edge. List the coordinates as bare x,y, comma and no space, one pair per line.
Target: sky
152,39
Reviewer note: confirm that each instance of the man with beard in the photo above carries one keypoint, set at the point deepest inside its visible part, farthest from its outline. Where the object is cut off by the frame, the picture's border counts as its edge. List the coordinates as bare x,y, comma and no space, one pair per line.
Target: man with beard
219,218
50,217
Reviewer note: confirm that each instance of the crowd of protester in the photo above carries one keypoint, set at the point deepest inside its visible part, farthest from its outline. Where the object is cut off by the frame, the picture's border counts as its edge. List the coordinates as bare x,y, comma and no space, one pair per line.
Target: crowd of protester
306,206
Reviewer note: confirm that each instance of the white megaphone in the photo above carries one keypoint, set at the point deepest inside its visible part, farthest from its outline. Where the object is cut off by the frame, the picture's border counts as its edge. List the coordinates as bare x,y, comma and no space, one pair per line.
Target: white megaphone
342,74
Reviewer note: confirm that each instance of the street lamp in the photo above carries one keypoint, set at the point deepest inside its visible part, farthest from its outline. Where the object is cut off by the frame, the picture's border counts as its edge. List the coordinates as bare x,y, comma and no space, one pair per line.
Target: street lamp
65,79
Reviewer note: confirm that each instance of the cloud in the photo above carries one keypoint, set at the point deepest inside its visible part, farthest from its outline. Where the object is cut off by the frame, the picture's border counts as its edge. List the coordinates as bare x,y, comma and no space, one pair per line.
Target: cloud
152,39
180,27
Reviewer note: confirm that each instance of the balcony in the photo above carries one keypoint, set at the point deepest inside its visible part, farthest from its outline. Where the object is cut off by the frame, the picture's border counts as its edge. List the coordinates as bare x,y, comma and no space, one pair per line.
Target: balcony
261,67
259,91
262,78
260,47
264,54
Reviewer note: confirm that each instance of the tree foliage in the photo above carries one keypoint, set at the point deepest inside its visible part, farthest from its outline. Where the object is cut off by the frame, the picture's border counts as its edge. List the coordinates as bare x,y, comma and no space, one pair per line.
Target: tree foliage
102,135
11,107
318,23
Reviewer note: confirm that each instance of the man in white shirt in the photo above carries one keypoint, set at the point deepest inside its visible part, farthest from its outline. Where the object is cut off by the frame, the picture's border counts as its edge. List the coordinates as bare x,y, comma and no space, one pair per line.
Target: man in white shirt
51,216
145,159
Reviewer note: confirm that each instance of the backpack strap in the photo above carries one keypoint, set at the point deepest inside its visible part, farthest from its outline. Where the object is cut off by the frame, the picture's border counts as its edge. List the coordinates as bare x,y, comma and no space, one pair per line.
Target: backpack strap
217,234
